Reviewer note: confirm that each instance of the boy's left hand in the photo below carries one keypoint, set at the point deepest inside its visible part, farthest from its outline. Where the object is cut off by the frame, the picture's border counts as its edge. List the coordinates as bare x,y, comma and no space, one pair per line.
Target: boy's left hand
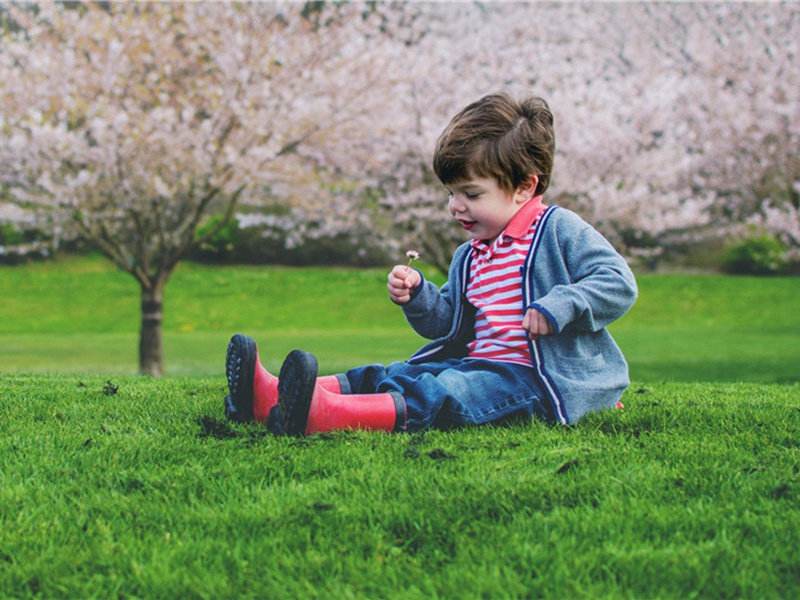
536,324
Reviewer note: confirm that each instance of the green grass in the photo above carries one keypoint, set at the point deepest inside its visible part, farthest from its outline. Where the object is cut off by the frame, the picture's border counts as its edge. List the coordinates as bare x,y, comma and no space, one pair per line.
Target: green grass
713,328
81,315
113,485
133,487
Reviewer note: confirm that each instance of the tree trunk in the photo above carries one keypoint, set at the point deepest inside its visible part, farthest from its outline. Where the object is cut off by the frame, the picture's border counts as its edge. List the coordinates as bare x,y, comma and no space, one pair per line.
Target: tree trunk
151,349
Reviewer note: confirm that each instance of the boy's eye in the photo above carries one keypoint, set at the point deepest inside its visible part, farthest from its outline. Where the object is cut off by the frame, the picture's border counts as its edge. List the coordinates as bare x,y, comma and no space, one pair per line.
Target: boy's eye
467,195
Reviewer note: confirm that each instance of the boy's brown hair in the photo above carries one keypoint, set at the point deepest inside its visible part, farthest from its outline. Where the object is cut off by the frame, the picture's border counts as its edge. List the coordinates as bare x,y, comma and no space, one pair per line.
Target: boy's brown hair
498,136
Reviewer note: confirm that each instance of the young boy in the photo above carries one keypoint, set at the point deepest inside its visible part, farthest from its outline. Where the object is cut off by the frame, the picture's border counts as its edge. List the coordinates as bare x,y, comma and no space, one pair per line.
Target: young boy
518,329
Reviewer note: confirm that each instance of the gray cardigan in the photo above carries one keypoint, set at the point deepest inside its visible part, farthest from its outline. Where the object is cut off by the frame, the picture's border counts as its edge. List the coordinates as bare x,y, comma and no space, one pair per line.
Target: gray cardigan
576,279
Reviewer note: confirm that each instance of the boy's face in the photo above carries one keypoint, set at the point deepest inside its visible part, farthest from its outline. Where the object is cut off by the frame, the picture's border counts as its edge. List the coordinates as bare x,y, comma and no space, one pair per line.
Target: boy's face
483,208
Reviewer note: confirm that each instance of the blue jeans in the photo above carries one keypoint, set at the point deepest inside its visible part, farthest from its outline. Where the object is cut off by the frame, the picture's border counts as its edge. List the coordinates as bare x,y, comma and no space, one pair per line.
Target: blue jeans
456,392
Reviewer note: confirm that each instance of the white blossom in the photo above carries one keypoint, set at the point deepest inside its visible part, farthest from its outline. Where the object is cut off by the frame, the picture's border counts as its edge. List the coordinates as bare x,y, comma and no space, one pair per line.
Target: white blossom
672,119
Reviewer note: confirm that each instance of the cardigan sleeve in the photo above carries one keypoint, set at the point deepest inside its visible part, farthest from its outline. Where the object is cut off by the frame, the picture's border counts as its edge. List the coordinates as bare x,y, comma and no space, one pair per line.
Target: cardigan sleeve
598,286
430,311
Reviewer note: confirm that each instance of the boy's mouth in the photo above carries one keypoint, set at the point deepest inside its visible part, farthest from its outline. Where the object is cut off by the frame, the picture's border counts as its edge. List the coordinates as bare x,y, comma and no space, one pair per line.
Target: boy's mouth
468,225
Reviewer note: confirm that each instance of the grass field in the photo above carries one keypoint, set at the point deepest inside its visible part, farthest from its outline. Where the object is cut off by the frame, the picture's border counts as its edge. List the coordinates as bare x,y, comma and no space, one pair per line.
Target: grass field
133,487
81,315
112,485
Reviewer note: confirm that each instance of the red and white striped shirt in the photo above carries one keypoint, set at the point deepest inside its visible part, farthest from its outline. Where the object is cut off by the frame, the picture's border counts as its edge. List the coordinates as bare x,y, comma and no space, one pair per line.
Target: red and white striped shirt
495,289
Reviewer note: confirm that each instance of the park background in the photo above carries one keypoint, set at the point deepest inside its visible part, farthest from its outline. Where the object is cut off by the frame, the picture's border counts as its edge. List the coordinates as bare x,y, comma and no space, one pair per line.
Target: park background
173,173
301,133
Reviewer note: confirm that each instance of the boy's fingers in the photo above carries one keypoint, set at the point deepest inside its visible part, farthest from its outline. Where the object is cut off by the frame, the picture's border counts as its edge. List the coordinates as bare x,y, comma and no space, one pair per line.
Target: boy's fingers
401,280
400,298
397,276
536,324
408,276
398,290
401,271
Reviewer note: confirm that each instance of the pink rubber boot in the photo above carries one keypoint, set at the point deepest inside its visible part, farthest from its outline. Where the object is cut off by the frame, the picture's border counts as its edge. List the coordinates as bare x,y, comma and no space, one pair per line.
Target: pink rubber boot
253,389
306,407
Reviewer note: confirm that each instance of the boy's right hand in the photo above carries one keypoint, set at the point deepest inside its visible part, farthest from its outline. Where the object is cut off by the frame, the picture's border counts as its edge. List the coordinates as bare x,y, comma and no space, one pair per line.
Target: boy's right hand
403,280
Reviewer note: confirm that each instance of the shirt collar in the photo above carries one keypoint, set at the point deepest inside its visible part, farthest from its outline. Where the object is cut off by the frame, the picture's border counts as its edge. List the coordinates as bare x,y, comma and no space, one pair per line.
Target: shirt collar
520,223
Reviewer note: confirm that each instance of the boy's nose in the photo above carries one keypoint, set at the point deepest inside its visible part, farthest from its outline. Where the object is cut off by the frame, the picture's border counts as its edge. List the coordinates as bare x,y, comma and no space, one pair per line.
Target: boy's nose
456,206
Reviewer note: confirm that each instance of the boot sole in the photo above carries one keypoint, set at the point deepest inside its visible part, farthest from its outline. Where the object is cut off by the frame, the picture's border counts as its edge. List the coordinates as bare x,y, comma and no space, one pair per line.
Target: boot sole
240,365
298,378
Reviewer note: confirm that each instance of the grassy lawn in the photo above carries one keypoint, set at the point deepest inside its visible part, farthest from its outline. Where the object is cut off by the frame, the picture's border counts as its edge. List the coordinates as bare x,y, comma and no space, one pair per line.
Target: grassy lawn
112,485
136,488
81,315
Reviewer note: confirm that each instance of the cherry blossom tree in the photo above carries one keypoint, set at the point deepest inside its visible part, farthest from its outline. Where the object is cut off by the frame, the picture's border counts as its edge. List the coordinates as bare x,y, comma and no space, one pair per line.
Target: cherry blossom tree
675,121
134,121
671,118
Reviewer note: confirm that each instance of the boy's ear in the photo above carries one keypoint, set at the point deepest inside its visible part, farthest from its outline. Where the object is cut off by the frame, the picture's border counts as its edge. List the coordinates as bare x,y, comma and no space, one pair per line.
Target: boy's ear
527,189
